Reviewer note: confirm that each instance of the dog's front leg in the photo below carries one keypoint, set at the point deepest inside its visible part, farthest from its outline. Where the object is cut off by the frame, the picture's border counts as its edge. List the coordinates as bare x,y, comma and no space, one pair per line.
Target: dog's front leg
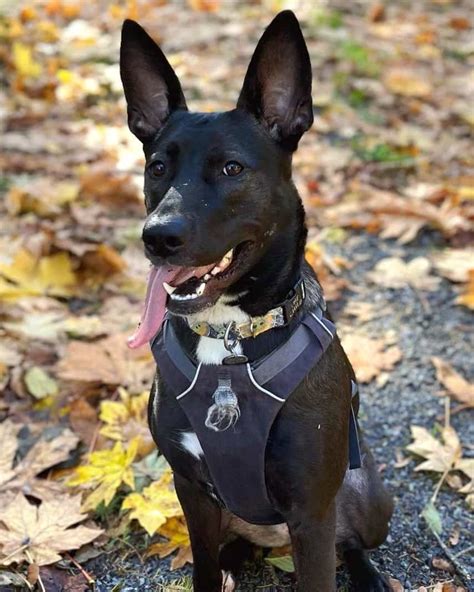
203,518
313,541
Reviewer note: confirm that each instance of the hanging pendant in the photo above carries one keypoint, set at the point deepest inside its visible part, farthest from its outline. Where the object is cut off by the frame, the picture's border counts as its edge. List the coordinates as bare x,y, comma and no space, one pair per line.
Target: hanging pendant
225,411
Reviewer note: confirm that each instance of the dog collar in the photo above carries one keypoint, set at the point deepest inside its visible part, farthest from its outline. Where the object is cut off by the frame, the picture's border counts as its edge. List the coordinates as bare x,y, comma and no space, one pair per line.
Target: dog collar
280,316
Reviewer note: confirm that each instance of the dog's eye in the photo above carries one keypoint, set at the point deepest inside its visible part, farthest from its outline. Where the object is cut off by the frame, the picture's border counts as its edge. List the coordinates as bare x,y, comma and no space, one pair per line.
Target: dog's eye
157,168
232,168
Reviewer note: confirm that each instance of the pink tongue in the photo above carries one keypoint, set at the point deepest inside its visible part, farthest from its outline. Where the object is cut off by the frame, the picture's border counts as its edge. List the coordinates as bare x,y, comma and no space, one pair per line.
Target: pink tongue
155,299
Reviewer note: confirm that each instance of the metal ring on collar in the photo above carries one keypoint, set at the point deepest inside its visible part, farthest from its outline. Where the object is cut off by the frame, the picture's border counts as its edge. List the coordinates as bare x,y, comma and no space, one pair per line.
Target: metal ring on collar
227,343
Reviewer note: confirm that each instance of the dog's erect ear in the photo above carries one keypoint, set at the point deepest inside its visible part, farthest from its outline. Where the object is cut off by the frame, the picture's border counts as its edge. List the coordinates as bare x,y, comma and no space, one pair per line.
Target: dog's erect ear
277,86
151,86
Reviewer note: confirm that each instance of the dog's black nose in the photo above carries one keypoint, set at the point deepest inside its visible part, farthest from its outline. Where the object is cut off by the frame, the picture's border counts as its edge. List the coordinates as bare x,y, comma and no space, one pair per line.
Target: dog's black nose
167,237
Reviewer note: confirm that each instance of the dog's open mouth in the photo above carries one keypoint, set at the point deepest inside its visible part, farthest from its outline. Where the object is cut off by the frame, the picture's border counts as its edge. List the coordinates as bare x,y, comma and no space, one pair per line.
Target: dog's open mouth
186,290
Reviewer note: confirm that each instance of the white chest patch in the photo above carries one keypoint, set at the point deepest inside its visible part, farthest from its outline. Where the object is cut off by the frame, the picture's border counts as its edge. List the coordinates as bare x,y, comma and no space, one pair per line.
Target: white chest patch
190,442
209,350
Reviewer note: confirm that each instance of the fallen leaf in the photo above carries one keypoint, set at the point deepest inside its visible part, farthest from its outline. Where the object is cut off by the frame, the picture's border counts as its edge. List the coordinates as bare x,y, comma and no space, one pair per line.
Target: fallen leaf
441,564
407,82
466,298
393,272
39,383
456,385
327,271
113,363
441,456
105,472
395,585
127,419
41,197
45,326
38,534
84,421
23,61
454,264
362,311
176,532
432,518
284,563
154,505
26,276
44,454
369,356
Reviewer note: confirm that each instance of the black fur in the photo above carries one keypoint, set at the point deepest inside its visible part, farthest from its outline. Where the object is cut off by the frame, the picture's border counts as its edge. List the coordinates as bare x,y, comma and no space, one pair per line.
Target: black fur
206,213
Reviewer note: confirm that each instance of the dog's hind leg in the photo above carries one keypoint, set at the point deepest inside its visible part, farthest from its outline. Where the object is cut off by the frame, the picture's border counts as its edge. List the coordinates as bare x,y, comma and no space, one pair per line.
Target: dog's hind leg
203,518
364,509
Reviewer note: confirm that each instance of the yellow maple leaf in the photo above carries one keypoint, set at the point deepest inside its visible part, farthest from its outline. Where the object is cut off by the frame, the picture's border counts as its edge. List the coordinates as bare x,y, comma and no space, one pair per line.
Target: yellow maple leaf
24,62
105,473
127,419
154,505
176,532
27,276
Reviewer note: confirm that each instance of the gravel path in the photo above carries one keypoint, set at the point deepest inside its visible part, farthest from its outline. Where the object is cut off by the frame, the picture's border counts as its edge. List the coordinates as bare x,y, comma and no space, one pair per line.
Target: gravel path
427,324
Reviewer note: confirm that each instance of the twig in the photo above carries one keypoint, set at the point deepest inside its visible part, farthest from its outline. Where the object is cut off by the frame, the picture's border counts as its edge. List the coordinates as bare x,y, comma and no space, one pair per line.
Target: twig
452,558
464,551
95,435
22,548
447,412
423,300
89,579
439,484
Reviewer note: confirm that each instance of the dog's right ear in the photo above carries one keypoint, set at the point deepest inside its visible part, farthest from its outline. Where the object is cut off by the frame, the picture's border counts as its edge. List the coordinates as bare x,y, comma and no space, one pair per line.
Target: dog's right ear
151,86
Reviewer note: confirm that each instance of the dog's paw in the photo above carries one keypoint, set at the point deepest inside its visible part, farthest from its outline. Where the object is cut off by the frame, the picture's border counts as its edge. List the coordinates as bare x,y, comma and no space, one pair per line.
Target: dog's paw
228,582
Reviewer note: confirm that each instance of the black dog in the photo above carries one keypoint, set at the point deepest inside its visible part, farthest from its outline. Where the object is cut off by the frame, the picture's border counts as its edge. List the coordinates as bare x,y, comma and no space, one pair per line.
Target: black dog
260,444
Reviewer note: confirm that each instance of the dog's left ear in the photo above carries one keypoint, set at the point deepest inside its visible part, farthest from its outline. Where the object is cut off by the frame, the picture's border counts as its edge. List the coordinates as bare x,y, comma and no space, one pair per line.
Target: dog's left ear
151,86
277,86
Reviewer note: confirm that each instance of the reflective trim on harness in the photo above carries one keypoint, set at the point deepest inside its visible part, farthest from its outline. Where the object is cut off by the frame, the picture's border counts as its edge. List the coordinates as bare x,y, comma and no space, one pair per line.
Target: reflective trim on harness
191,386
260,388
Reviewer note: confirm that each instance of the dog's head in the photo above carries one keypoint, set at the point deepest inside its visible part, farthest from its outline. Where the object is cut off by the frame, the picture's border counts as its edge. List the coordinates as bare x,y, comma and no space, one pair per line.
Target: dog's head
214,182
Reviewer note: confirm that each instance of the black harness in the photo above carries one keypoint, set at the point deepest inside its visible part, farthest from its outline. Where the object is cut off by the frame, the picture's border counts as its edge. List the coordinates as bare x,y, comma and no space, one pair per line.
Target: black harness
255,392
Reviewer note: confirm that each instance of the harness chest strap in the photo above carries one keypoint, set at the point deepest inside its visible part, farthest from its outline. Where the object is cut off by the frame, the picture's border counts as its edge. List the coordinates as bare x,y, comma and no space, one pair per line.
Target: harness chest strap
262,389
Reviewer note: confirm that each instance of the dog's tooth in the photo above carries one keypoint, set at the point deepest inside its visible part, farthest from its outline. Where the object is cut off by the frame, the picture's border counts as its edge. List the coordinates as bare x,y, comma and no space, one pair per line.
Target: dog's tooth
201,288
216,270
169,289
207,277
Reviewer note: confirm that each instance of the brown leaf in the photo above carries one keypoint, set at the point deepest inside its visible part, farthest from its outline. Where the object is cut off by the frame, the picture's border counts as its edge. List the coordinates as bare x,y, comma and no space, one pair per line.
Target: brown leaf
393,272
395,585
107,361
454,264
38,534
84,421
456,385
407,82
43,455
369,356
441,564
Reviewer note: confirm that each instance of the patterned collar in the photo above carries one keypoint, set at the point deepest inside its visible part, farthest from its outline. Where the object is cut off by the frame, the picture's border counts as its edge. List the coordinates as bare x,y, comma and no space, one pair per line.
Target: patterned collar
279,316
